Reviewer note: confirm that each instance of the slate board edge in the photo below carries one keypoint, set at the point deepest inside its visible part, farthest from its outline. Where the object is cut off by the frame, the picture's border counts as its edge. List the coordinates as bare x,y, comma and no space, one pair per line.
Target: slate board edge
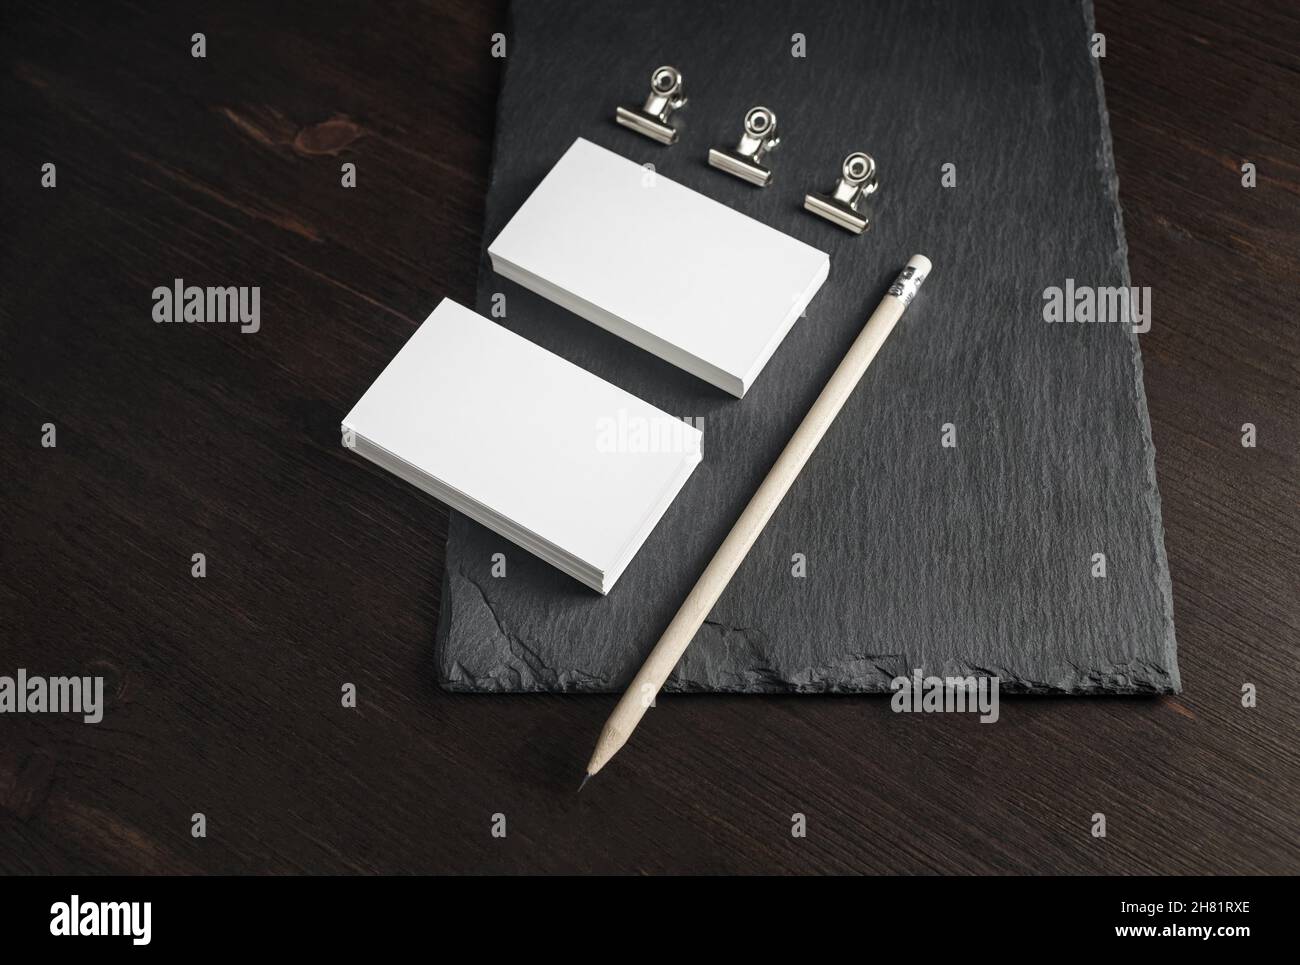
528,674
1161,561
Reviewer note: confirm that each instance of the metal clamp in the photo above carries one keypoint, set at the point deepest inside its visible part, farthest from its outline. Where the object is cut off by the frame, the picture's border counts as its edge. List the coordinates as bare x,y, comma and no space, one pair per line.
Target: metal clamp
652,119
857,181
746,160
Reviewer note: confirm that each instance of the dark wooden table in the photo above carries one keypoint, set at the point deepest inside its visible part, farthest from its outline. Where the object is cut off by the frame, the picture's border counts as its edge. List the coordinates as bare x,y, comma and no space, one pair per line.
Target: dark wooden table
224,692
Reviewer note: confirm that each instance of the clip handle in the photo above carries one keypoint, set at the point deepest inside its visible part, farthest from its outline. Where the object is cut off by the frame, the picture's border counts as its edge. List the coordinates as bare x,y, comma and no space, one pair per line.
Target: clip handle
666,93
759,135
857,179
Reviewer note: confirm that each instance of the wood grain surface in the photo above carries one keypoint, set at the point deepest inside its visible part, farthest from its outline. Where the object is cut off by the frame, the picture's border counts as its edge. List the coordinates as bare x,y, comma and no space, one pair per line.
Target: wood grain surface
224,692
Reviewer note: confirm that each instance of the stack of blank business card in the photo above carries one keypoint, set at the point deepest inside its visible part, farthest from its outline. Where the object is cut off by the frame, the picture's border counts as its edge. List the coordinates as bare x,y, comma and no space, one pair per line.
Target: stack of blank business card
698,284
556,460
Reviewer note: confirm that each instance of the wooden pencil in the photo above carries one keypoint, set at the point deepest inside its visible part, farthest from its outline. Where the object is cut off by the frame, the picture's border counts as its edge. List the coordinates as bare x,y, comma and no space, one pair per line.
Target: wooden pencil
668,651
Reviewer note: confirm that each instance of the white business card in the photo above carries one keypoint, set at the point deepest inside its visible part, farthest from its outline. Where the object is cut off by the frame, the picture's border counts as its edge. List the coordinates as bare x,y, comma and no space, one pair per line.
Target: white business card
561,462
681,275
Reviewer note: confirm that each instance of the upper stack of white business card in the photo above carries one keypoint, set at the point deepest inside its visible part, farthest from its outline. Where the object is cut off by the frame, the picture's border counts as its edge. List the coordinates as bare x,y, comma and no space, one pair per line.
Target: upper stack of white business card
553,458
680,275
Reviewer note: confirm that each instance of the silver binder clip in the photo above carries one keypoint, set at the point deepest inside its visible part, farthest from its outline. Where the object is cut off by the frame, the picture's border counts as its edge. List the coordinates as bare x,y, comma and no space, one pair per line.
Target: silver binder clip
746,160
652,119
857,181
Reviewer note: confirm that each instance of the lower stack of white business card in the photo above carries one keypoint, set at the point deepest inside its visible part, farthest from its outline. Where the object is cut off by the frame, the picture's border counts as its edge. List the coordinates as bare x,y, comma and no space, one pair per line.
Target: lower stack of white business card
558,461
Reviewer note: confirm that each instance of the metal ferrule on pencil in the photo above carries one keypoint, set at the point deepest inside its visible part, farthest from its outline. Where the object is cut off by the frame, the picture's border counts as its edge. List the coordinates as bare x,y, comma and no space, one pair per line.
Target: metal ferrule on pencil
907,284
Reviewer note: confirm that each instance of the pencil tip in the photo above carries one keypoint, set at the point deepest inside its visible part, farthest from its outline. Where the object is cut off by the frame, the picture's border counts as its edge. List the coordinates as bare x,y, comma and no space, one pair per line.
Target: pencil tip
586,777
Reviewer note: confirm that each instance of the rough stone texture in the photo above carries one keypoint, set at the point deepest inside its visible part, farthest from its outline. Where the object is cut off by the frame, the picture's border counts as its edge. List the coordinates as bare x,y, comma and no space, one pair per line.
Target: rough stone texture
967,560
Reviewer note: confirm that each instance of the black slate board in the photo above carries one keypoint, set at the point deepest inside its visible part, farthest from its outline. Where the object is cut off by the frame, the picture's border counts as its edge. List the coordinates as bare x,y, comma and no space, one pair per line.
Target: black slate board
974,559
